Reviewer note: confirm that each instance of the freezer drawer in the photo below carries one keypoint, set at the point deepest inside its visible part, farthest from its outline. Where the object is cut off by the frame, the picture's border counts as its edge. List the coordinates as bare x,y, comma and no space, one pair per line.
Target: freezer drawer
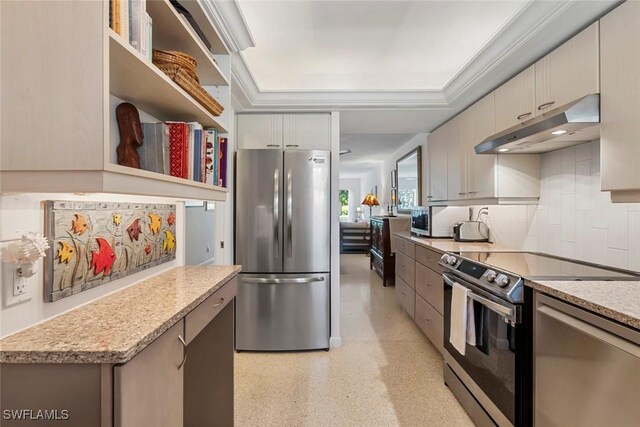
281,312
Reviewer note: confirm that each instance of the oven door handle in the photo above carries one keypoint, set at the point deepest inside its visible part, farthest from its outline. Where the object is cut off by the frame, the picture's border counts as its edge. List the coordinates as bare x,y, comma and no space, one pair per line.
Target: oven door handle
493,306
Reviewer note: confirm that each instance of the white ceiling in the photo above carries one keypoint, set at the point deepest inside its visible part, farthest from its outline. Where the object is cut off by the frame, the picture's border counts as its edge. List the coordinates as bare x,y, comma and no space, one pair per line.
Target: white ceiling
368,151
393,68
368,45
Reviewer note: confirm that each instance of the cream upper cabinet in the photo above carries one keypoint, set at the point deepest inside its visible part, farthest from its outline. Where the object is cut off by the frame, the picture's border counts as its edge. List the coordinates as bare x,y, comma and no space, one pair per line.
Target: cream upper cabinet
437,164
481,168
569,72
260,131
284,131
620,102
515,100
457,136
307,131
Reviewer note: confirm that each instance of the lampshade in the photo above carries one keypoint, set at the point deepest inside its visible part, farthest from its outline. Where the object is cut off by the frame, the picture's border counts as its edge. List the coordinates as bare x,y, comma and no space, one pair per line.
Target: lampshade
370,200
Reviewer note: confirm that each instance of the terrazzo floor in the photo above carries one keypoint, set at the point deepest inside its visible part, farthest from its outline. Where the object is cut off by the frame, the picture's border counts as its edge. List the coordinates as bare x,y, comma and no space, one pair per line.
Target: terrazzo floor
386,373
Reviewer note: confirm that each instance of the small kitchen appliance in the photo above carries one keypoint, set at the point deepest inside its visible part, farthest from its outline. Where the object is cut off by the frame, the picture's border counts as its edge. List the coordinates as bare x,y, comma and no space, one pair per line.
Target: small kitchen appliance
471,231
436,221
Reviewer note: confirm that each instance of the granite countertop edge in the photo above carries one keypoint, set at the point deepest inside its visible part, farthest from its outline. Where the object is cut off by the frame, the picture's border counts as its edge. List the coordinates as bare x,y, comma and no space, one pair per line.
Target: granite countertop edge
115,356
588,304
434,242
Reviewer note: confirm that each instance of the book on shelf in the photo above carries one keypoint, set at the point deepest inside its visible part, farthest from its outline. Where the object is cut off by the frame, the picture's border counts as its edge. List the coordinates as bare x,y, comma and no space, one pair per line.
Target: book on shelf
154,153
197,154
211,140
178,149
124,19
137,12
222,162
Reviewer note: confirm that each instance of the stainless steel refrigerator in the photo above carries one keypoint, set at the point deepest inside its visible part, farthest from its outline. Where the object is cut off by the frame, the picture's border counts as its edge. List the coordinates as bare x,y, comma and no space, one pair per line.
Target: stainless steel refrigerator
282,241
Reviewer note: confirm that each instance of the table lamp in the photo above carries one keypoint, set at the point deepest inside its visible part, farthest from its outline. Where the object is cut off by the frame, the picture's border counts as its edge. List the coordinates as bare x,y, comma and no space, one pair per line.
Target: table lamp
370,200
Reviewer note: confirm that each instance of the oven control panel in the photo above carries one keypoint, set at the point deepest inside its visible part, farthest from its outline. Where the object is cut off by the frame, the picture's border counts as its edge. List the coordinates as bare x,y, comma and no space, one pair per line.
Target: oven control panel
496,281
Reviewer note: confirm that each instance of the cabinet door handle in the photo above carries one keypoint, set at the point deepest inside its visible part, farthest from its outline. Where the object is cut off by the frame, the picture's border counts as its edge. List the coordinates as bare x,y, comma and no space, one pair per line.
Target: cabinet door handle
273,145
522,116
184,351
219,303
461,194
292,145
473,192
546,105
429,197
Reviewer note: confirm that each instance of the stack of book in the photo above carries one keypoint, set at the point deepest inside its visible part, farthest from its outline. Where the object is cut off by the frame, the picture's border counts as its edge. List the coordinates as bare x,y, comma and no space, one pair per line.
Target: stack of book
185,150
130,19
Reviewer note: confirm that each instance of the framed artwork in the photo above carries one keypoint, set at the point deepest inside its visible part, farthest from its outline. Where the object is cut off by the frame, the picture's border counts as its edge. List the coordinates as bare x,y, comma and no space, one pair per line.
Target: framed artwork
93,243
394,179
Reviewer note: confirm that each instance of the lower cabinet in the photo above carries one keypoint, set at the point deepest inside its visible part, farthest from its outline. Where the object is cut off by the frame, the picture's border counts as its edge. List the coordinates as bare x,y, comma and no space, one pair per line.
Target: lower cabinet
184,377
431,322
419,288
406,296
148,389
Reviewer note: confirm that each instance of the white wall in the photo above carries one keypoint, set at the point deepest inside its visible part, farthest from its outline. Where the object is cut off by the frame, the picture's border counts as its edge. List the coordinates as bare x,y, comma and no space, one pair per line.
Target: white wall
573,217
22,213
336,339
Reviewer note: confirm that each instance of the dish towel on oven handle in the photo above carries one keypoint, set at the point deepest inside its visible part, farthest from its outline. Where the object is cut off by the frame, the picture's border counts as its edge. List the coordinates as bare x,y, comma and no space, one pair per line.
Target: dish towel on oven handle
463,328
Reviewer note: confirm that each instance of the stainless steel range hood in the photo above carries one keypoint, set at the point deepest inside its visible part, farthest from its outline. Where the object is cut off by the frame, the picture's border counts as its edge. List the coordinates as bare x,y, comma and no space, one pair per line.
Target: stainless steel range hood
571,124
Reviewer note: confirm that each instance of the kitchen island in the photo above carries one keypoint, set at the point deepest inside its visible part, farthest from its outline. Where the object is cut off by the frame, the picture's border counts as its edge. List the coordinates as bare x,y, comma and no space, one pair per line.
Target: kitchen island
122,359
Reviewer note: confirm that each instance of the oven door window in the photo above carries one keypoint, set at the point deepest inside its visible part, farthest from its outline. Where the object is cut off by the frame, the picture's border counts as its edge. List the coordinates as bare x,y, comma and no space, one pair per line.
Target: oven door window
492,362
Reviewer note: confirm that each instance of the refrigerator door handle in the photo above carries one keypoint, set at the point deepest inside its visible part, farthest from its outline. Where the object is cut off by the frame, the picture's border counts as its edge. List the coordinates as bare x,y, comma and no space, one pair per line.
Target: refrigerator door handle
289,215
276,208
284,281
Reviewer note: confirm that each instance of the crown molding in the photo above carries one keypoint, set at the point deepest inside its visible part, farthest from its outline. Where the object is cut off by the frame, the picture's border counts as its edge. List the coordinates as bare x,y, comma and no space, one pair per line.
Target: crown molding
538,28
230,22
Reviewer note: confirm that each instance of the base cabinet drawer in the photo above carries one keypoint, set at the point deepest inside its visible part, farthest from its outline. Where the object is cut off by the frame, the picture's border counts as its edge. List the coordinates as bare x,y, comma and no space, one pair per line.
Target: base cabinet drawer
428,257
431,322
429,286
406,268
406,296
405,247
203,314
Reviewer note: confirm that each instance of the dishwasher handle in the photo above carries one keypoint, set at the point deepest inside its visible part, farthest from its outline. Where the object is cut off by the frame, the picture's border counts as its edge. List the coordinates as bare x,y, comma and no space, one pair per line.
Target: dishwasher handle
591,330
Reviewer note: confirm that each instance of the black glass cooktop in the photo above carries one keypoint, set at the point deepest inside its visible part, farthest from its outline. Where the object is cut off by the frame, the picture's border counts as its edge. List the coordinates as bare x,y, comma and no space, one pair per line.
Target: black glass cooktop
542,266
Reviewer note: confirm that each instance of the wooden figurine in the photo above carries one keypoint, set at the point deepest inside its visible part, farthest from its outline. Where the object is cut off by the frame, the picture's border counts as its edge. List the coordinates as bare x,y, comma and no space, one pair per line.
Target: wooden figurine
131,136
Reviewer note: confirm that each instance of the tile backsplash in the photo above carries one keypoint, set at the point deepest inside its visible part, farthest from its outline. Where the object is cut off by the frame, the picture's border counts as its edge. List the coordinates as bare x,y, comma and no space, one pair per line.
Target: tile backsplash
573,217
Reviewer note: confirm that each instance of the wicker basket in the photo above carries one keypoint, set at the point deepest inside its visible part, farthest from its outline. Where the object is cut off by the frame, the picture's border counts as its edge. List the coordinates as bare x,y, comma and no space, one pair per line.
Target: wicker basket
179,75
169,57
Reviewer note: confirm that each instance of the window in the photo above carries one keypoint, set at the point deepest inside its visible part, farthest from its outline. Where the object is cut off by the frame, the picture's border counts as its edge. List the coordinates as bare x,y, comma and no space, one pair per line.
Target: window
344,205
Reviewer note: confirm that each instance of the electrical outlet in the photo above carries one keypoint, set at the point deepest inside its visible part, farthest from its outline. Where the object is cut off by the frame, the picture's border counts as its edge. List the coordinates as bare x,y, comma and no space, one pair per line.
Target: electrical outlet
16,289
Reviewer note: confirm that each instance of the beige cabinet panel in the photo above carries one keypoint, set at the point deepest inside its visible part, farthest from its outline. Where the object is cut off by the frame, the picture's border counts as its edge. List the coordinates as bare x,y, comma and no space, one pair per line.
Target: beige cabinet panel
429,286
405,247
406,268
481,173
148,390
456,160
569,72
260,131
437,170
428,257
515,100
406,296
620,99
307,132
431,322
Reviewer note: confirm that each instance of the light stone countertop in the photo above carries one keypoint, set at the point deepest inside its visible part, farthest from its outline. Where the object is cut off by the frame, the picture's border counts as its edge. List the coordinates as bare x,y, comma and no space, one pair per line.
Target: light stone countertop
617,300
450,245
116,327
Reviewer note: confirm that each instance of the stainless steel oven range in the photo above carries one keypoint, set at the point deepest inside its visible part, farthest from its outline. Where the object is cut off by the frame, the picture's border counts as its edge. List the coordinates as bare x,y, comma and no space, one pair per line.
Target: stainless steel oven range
493,379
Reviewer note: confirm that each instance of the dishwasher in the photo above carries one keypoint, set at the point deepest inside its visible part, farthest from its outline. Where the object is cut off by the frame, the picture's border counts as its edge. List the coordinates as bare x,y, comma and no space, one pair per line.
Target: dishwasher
587,368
